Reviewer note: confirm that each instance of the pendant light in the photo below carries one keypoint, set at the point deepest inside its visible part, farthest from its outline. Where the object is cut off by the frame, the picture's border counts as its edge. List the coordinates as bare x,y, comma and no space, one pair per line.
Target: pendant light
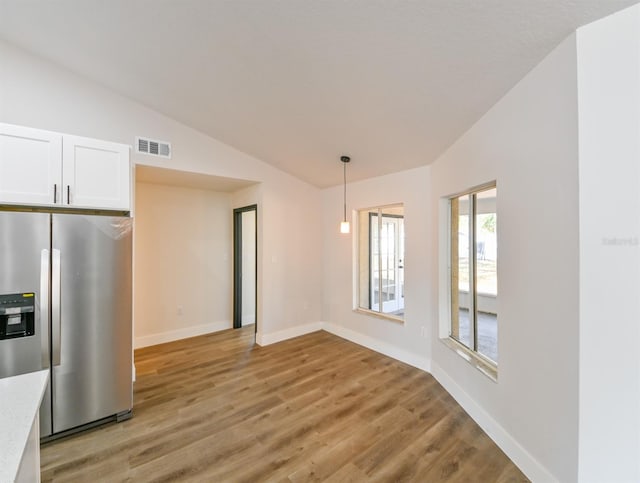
344,225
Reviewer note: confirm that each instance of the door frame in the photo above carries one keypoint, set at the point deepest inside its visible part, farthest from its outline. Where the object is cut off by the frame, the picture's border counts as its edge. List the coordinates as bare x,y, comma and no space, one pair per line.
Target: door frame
397,267
237,265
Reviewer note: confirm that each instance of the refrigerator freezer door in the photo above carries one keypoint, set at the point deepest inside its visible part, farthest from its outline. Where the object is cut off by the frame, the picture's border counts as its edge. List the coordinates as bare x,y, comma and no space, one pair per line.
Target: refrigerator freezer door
24,268
92,342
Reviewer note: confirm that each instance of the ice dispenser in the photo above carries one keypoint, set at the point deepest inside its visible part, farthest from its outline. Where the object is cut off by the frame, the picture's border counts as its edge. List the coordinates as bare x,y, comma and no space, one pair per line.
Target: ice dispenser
17,315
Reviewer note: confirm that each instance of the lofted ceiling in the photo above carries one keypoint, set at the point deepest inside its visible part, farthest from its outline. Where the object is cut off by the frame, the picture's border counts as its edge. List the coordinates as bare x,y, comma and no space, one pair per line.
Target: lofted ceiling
297,83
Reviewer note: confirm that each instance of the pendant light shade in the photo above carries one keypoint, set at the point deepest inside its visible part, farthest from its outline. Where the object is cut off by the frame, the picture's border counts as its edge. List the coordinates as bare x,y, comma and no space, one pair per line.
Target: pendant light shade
344,225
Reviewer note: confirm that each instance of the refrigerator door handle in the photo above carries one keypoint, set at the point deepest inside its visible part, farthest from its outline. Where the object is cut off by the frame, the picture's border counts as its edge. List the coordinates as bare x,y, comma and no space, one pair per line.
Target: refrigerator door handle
56,336
44,307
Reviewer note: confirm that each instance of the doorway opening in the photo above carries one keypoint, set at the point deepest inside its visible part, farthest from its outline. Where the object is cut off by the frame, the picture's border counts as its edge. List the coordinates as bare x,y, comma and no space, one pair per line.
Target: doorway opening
245,267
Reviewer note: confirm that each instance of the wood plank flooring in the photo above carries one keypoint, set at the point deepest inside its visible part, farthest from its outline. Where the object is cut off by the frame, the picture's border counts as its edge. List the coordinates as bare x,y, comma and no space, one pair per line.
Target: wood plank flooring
316,408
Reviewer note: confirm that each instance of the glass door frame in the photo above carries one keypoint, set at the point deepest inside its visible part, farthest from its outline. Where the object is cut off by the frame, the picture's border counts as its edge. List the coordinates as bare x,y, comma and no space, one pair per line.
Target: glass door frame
376,285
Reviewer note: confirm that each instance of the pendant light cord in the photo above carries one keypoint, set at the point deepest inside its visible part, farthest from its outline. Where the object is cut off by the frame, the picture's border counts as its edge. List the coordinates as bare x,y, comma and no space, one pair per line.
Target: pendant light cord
344,165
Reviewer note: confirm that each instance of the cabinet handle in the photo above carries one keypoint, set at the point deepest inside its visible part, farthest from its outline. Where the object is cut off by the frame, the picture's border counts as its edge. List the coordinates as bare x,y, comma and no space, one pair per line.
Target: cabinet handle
68,194
55,193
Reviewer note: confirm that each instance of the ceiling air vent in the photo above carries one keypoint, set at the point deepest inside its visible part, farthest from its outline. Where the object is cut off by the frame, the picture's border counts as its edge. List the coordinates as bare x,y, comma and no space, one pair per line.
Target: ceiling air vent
153,147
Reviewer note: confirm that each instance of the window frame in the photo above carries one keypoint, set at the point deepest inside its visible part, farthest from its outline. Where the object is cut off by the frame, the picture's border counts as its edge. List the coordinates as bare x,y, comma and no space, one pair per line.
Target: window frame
484,364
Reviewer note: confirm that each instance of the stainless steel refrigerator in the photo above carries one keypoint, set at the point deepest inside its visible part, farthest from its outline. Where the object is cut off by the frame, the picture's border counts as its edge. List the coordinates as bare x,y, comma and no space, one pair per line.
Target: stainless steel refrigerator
65,306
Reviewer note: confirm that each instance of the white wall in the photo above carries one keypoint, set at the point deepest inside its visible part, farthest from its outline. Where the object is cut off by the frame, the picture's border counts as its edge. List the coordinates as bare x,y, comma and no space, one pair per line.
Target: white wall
528,143
183,263
401,340
609,97
37,93
290,236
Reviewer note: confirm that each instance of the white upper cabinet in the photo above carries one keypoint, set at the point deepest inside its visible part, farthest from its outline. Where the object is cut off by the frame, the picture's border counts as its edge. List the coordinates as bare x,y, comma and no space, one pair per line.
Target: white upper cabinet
95,173
51,169
30,166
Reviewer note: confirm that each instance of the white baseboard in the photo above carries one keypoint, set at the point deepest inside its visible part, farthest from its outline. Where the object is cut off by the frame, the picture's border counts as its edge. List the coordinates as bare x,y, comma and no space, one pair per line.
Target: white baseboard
184,333
527,463
377,345
369,342
272,338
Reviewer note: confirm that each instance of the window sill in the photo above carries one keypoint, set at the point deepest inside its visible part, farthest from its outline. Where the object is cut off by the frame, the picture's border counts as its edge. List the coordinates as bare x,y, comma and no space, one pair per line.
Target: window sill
380,315
484,366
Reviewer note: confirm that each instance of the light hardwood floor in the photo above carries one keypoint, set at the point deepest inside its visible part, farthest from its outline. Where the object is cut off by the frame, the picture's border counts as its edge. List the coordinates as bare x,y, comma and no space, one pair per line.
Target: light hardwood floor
315,408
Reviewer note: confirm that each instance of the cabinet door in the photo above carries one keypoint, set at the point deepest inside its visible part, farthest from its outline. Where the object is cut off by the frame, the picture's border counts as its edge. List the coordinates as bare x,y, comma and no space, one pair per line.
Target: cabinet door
30,166
96,174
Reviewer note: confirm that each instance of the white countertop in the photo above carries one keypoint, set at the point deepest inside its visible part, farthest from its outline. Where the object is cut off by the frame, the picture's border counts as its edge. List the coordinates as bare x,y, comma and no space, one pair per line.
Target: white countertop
20,398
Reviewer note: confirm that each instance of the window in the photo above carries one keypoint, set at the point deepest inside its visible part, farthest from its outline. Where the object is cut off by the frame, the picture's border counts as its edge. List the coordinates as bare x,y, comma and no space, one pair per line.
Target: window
381,260
473,274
